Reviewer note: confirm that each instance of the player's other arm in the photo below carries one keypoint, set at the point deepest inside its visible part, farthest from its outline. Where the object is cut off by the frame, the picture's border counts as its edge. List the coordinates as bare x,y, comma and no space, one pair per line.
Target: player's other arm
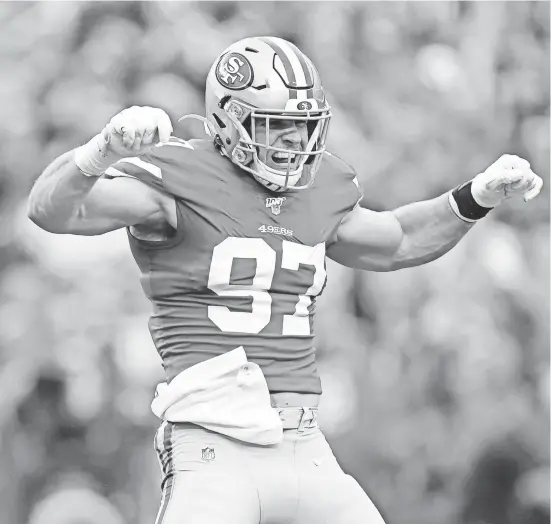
69,196
64,201
420,232
408,236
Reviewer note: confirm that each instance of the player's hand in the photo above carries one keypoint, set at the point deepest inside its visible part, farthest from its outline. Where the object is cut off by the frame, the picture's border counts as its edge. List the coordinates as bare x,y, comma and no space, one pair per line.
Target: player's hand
135,130
508,176
130,133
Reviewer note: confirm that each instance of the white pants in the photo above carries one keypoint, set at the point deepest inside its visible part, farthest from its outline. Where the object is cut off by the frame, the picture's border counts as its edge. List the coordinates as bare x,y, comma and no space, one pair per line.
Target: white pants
209,478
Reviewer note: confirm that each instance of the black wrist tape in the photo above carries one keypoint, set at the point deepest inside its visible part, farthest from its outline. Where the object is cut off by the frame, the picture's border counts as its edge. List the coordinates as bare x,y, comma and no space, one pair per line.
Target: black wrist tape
467,205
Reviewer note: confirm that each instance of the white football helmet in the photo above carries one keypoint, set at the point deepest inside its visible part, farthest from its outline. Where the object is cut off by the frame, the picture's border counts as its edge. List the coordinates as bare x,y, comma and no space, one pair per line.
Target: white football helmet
270,79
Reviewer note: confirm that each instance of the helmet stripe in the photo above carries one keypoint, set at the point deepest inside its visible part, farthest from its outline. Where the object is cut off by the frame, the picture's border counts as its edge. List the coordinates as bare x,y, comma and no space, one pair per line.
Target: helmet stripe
304,64
291,78
298,68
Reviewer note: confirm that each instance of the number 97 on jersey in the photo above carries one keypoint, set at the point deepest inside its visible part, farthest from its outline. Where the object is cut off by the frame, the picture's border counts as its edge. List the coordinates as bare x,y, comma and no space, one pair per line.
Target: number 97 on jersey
293,258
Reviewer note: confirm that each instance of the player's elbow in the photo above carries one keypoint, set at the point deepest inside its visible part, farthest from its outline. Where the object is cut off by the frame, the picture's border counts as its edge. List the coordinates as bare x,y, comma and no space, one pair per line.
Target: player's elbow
43,221
35,216
50,227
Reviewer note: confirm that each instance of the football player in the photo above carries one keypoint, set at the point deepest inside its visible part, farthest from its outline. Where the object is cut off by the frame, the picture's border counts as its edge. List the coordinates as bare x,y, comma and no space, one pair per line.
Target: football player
231,234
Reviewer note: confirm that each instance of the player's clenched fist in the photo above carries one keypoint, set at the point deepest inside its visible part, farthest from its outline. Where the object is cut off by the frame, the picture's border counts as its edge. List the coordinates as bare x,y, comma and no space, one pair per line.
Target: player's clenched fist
129,133
135,129
509,175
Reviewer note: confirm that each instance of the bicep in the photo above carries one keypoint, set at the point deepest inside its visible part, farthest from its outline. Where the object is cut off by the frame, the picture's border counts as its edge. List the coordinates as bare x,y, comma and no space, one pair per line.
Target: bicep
366,239
116,203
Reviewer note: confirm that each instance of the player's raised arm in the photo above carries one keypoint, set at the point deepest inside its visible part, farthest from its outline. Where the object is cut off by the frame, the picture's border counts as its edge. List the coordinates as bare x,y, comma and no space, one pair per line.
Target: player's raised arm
423,231
69,196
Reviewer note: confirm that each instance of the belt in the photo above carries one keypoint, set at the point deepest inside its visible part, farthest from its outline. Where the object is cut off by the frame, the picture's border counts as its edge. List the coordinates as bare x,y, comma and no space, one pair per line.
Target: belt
298,418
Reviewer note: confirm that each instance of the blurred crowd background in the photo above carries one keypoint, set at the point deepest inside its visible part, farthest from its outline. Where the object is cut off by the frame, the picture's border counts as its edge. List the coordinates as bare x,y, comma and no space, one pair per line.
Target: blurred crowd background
436,378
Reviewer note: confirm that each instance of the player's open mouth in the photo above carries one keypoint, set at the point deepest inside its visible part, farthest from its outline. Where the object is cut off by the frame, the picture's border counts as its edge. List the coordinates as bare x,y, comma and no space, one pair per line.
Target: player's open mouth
283,158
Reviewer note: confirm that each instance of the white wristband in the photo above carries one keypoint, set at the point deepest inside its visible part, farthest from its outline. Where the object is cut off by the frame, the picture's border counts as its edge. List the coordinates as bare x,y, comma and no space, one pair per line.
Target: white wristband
93,158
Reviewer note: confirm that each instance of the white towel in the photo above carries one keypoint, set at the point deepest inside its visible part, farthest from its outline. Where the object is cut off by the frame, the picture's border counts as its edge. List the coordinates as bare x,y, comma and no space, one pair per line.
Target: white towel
226,394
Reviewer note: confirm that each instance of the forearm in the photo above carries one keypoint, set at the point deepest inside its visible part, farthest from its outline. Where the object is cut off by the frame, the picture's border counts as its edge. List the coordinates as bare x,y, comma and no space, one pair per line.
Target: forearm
430,229
423,231
58,193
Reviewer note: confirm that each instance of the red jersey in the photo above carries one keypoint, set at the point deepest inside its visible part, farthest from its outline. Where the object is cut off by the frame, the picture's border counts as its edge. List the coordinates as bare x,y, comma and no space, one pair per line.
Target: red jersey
245,265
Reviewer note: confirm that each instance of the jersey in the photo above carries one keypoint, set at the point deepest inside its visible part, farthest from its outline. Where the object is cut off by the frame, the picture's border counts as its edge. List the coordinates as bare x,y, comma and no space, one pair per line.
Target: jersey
244,266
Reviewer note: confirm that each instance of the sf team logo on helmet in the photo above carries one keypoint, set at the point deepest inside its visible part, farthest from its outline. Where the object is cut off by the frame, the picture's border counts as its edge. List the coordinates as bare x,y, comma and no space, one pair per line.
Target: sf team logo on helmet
304,105
234,71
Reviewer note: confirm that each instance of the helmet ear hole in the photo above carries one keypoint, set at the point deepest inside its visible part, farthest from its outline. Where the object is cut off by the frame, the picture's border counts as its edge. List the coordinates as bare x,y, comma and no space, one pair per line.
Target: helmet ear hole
219,121
223,101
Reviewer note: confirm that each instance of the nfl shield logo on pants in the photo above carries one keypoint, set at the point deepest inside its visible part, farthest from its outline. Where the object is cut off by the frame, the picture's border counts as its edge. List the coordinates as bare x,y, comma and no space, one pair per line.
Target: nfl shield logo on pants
207,454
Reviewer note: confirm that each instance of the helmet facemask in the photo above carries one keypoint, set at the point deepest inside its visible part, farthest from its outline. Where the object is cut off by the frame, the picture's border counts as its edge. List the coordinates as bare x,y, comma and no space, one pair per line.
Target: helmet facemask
268,80
298,170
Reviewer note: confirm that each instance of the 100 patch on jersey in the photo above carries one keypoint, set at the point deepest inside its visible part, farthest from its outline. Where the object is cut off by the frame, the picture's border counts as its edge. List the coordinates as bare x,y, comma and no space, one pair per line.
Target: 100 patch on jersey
293,256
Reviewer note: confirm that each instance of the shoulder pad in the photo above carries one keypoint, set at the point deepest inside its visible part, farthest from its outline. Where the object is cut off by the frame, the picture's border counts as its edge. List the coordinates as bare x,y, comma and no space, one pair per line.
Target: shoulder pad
343,168
338,163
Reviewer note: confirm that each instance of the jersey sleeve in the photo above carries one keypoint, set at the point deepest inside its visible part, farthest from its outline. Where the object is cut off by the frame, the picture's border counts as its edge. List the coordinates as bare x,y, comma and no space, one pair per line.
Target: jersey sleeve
162,168
347,177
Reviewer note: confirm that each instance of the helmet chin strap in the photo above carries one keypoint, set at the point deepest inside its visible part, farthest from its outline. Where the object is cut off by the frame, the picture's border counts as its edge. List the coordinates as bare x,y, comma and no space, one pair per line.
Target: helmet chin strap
270,185
269,174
